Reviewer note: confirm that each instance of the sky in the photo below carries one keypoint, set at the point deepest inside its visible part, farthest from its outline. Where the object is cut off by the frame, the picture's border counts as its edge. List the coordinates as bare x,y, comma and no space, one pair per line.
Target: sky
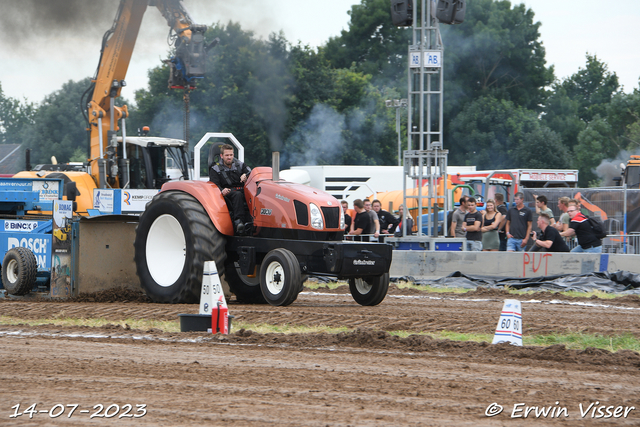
42,45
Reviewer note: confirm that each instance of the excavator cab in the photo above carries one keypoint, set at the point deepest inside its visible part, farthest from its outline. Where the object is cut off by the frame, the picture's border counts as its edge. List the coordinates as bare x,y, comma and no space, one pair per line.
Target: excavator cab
154,161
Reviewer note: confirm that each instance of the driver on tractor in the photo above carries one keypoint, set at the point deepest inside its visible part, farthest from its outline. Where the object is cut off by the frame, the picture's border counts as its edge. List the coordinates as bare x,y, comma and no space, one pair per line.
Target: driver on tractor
230,175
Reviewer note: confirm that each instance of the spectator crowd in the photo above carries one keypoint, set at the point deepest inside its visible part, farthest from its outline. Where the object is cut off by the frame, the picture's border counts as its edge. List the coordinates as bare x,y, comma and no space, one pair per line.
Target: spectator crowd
496,228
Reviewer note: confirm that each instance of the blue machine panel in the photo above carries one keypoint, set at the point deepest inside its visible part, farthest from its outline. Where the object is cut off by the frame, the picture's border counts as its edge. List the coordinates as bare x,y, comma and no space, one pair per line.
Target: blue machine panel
38,243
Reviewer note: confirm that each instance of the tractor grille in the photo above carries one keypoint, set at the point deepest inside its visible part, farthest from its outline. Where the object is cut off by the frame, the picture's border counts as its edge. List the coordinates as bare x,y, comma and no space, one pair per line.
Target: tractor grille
331,217
302,212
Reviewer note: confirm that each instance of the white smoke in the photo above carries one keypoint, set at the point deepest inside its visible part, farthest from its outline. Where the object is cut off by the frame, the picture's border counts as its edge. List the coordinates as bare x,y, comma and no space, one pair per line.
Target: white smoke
318,138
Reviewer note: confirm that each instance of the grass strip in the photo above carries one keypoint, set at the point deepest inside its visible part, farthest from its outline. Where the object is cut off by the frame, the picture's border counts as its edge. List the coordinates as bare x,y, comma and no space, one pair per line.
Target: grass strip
575,341
139,324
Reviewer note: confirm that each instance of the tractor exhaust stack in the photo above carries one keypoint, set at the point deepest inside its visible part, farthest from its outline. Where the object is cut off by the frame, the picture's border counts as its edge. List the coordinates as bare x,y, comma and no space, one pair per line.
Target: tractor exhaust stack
275,165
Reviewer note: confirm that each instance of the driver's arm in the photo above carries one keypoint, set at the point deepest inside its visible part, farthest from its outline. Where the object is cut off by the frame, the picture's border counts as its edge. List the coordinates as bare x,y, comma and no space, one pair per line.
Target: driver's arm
215,178
246,170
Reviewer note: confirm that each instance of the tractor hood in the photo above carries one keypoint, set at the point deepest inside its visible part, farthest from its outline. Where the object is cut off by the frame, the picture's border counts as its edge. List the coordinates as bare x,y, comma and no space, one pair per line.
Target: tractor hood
282,204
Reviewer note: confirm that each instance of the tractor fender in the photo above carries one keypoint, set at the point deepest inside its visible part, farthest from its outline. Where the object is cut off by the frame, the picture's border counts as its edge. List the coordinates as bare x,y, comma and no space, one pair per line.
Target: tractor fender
211,199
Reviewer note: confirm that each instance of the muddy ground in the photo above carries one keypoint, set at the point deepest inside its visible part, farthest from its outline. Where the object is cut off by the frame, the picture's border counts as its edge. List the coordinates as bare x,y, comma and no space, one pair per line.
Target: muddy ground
363,377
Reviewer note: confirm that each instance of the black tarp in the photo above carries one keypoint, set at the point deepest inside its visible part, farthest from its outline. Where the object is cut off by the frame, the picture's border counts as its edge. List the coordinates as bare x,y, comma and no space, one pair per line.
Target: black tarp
610,282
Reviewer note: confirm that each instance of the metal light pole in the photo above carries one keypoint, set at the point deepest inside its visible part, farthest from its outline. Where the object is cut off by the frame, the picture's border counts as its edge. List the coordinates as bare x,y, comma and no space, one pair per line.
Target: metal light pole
624,244
397,104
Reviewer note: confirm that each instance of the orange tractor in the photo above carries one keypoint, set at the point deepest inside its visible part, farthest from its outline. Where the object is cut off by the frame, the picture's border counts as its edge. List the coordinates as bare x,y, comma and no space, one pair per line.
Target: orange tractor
297,230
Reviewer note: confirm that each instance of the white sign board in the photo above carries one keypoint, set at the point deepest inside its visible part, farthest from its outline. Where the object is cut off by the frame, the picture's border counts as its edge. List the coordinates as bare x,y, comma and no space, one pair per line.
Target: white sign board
509,327
49,190
414,59
432,59
62,212
136,200
547,176
103,200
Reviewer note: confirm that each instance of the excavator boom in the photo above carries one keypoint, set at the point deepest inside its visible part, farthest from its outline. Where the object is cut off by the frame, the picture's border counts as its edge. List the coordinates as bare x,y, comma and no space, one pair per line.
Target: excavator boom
103,116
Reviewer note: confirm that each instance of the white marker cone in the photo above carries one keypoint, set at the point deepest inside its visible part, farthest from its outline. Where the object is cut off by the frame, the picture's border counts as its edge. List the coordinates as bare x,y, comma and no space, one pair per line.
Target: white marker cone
212,301
509,327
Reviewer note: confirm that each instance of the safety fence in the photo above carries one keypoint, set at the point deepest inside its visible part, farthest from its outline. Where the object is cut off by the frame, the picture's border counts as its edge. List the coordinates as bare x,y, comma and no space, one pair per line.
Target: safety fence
366,237
622,244
612,244
606,203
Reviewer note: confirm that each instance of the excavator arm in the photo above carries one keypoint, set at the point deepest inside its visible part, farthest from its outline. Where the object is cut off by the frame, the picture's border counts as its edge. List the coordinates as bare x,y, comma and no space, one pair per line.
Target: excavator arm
118,42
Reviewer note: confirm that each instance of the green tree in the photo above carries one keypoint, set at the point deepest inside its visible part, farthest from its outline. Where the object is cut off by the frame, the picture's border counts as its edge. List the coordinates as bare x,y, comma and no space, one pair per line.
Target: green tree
595,143
497,52
314,81
58,127
596,121
14,117
561,115
494,133
372,43
592,88
623,115
541,148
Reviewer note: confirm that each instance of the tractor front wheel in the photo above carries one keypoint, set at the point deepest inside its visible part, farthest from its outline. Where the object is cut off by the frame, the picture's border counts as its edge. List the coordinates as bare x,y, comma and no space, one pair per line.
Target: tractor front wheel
369,290
280,277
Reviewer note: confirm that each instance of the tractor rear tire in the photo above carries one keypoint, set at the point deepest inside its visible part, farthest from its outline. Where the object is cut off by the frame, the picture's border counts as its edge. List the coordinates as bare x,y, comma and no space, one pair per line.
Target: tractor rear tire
246,289
19,270
280,277
174,238
370,290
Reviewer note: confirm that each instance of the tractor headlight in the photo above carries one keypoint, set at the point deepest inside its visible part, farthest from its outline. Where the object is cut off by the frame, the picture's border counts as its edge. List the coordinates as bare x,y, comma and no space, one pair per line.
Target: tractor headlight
342,225
316,217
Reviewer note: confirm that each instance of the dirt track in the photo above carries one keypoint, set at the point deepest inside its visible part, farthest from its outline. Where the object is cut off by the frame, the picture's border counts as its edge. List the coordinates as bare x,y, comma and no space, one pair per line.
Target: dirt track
366,377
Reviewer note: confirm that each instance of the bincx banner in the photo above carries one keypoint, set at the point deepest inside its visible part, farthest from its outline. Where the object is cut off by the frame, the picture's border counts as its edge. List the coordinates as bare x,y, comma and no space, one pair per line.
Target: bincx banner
19,225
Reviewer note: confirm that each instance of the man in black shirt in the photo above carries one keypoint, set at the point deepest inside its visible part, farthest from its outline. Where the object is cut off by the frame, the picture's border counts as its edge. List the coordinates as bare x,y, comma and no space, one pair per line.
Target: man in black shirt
388,222
581,228
230,175
472,225
362,222
518,228
550,238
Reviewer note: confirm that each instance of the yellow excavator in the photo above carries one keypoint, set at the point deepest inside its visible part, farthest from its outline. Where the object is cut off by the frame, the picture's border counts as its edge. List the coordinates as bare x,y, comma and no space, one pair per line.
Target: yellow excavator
116,160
